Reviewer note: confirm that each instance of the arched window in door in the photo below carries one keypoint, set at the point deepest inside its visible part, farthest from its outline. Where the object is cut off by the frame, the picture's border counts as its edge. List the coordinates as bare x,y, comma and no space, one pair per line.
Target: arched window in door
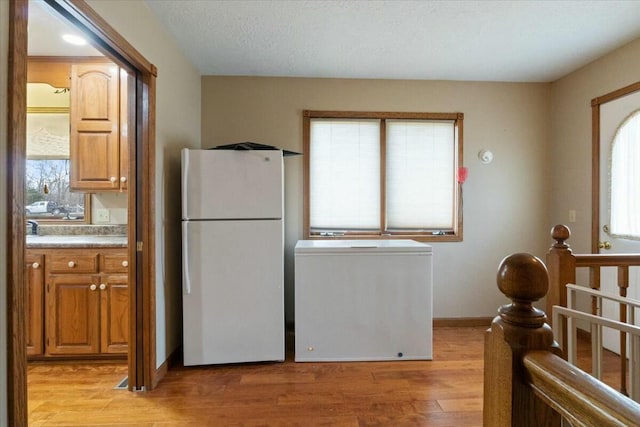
624,179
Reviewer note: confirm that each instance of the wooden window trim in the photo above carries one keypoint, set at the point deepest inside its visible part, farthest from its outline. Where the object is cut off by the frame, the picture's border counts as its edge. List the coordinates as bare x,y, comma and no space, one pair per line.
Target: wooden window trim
308,115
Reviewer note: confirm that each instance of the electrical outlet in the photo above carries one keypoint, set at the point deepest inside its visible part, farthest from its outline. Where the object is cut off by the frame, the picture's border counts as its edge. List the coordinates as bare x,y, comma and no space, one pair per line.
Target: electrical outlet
102,215
572,215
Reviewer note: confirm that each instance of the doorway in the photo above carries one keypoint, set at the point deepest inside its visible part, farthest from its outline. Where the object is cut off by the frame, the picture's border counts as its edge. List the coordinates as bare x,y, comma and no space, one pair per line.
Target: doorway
141,356
614,214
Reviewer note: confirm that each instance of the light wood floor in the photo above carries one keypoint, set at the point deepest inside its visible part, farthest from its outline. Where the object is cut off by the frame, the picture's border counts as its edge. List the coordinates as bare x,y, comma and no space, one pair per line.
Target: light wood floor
444,392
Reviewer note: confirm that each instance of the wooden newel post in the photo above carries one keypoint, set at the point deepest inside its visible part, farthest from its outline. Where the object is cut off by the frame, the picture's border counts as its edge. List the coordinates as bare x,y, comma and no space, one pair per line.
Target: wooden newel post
562,268
509,401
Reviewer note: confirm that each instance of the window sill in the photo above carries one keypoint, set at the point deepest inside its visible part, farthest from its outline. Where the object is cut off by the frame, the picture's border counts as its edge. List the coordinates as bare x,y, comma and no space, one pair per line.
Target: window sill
416,237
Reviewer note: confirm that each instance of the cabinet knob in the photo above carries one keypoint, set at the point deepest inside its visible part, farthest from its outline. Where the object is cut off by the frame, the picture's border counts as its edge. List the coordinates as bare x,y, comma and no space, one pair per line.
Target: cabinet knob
35,265
113,179
125,263
123,179
93,287
103,286
71,264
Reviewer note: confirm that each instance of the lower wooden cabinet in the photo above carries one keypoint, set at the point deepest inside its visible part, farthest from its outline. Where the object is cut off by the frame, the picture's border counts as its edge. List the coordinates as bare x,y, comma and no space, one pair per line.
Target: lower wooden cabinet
34,278
86,309
73,314
114,314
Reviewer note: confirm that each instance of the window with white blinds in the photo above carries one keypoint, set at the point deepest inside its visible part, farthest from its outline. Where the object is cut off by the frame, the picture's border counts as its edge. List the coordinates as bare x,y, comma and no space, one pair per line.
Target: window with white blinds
345,174
382,175
420,175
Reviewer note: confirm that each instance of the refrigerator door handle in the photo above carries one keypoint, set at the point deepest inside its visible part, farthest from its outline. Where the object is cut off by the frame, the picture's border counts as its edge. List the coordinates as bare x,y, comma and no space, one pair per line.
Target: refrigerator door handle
185,184
186,281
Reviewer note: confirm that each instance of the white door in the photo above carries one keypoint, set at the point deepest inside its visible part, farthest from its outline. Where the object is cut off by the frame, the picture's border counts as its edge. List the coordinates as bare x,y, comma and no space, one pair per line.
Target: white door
615,116
233,298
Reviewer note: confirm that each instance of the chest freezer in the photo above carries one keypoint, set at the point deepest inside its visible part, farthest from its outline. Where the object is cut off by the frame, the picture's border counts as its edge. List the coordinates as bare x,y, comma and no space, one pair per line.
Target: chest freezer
361,300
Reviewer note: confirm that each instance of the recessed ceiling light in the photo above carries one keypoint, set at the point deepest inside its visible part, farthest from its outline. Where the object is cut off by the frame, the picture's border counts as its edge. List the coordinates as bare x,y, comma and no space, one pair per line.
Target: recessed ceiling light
76,40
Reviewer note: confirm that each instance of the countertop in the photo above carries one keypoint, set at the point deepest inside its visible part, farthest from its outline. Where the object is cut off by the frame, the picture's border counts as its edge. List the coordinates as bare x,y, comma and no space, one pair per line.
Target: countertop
76,241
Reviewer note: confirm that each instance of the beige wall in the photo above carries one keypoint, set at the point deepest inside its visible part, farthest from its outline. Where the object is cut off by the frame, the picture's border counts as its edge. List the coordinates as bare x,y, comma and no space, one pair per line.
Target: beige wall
177,126
4,40
506,203
571,135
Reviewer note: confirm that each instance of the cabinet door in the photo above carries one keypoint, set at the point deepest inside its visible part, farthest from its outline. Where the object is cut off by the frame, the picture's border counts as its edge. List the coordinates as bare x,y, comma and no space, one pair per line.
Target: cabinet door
95,134
73,325
114,313
34,280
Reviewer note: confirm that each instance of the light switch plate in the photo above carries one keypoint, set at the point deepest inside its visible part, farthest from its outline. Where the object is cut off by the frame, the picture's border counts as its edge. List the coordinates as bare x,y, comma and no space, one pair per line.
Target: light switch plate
102,215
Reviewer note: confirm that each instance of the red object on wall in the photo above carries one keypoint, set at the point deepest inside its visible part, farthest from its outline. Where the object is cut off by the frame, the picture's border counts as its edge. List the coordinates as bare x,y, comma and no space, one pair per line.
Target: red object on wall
462,174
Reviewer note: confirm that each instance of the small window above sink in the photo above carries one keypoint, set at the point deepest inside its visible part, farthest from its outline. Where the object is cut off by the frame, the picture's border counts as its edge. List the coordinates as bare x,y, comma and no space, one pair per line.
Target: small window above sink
48,196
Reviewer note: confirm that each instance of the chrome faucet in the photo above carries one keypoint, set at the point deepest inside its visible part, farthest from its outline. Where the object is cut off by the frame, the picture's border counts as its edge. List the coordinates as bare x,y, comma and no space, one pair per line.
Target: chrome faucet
34,226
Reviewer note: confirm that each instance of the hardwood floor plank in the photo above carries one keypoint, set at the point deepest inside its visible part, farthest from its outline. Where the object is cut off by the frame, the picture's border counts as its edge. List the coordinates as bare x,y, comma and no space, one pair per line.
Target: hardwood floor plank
461,405
276,378
446,391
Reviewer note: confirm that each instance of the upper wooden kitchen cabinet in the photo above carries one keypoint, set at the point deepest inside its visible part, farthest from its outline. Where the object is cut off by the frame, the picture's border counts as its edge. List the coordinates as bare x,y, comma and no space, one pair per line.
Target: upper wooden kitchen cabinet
98,137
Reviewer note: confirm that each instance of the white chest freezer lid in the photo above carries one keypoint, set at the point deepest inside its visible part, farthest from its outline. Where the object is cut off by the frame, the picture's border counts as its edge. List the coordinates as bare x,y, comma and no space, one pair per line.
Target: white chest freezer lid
360,246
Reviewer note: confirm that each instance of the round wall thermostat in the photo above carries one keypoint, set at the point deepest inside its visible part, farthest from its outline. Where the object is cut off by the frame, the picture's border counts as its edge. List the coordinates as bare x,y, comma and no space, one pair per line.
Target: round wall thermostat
485,156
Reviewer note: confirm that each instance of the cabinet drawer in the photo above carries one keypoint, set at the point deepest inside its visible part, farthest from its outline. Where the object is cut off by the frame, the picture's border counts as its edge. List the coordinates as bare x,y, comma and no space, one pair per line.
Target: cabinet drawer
115,263
73,263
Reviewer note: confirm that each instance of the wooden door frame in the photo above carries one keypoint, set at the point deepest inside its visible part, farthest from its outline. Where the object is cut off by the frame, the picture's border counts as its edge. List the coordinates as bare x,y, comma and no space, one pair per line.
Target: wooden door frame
595,156
141,199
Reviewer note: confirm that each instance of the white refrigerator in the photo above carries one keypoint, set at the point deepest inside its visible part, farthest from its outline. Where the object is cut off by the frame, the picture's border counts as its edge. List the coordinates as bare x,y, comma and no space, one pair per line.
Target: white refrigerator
232,256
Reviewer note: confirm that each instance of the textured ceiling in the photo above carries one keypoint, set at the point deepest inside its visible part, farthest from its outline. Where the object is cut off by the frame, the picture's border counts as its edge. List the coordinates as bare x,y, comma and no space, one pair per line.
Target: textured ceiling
531,41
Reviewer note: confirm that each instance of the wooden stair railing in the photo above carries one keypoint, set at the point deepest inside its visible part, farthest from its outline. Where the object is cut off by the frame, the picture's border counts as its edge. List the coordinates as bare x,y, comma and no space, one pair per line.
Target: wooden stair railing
580,398
597,323
526,382
562,265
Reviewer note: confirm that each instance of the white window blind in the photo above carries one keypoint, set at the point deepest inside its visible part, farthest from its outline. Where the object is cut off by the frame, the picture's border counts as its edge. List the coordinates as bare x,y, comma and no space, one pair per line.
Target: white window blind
625,179
420,176
344,175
